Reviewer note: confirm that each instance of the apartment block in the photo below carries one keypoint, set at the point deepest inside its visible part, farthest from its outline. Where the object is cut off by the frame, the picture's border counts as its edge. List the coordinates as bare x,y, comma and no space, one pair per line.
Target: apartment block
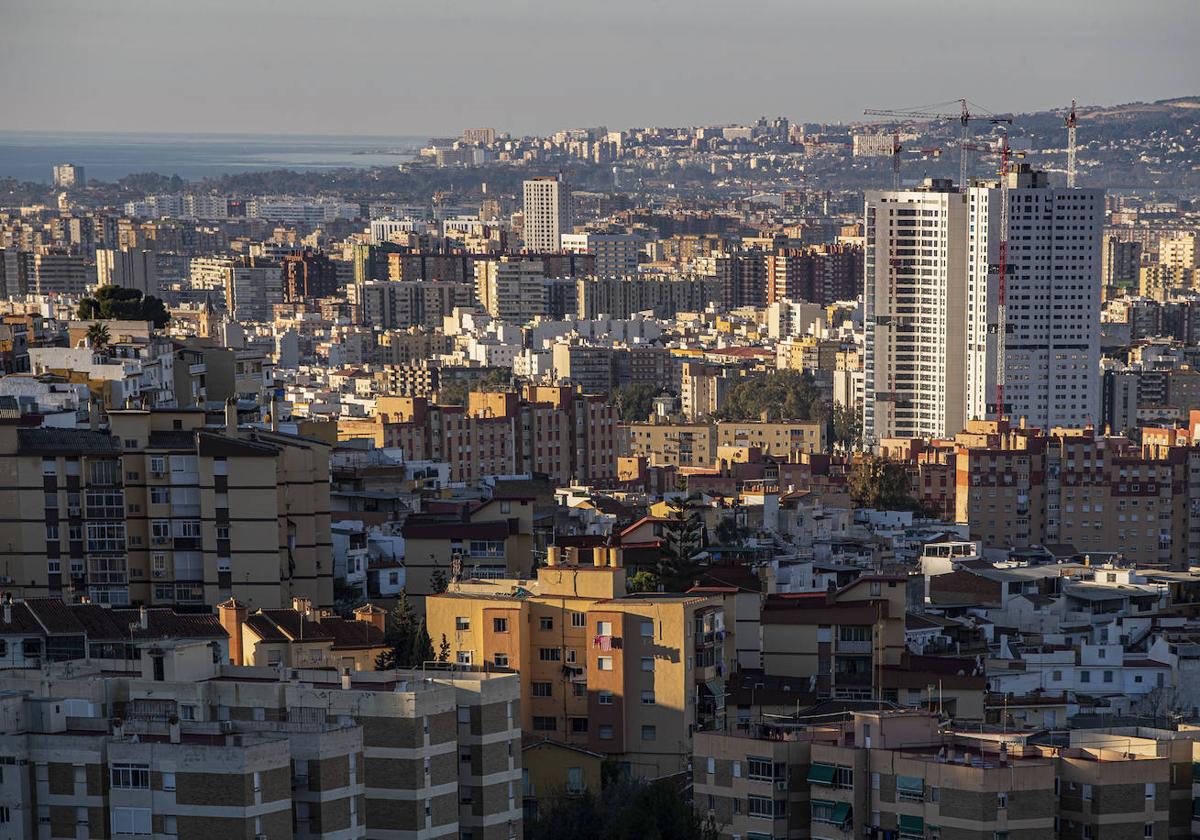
547,213
627,676
193,749
166,511
702,444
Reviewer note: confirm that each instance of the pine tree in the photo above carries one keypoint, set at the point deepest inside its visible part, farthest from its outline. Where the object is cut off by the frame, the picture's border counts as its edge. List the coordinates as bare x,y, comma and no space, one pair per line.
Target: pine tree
443,650
683,538
422,646
399,635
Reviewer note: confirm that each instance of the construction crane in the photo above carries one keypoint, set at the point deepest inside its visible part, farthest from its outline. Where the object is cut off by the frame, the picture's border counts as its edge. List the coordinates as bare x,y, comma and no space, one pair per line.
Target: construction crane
1002,281
1071,147
965,117
897,148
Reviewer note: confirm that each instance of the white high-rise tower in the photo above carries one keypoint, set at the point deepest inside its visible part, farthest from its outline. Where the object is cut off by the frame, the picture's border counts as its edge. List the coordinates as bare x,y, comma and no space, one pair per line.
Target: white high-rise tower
547,214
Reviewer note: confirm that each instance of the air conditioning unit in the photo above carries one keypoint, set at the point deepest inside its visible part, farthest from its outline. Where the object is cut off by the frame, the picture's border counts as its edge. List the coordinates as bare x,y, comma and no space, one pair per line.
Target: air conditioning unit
159,572
781,784
227,726
73,511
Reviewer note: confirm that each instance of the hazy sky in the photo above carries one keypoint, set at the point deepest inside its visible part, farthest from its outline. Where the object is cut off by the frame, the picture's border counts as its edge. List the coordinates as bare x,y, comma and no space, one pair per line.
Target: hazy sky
399,67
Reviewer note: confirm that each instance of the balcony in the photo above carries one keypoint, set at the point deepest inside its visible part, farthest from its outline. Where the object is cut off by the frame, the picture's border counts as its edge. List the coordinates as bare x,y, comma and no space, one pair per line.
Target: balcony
855,647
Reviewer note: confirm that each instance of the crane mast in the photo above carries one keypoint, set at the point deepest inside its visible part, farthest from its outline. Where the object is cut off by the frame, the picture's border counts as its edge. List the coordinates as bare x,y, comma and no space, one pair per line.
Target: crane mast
964,116
1071,147
1002,282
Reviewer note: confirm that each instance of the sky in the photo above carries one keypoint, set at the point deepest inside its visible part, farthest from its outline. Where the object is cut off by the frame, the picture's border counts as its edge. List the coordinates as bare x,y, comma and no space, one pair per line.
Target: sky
397,67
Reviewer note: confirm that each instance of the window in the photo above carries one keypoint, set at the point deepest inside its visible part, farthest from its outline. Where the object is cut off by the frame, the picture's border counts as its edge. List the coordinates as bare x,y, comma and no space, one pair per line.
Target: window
648,629
712,765
1149,790
570,656
461,622
158,465
1087,792
1001,800
647,663
1085,676
464,657
605,698
168,781
131,821
501,660
759,769
762,806
545,623
500,625
135,776
603,628
543,723
1148,830
579,725
647,698
542,689
578,619
549,654
160,495
604,663
649,733
606,732
187,712
737,769
854,633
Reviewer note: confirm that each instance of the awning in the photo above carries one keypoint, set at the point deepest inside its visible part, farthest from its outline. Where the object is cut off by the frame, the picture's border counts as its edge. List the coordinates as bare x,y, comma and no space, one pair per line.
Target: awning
910,784
841,812
717,689
822,774
915,825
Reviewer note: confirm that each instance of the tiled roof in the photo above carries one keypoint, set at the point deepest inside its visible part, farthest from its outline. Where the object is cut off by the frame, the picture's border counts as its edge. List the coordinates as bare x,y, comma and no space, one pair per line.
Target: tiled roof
54,616
297,627
21,621
352,634
66,441
168,624
265,629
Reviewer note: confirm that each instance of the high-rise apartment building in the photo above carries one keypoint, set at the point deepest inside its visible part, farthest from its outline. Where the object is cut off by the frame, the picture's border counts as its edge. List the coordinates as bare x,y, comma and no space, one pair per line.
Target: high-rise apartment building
931,306
68,175
915,312
127,268
1052,345
547,213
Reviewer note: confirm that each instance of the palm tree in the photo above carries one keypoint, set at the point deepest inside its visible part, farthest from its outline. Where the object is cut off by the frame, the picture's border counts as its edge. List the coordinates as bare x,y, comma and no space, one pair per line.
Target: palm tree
98,335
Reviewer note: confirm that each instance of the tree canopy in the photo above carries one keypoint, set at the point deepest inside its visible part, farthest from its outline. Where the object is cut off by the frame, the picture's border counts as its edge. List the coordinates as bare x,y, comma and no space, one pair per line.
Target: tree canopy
634,401
881,484
779,395
683,537
408,642
109,303
627,809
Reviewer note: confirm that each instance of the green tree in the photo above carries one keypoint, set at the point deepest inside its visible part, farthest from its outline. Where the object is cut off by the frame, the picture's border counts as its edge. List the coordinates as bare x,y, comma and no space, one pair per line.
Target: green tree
786,395
118,303
643,581
729,533
98,335
881,484
422,646
437,582
634,401
683,537
443,654
847,426
400,631
626,809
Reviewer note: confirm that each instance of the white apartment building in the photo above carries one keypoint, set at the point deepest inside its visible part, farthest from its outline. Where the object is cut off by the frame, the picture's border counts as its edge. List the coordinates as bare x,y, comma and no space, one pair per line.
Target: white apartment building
915,302
616,253
1054,281
547,214
252,291
932,316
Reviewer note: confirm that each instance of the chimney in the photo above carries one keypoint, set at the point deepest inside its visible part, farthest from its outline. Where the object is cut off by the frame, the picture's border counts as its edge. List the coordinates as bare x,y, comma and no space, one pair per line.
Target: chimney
274,415
174,730
831,594
144,618
345,679
615,559
231,417
599,557
8,608
302,606
233,614
373,615
551,555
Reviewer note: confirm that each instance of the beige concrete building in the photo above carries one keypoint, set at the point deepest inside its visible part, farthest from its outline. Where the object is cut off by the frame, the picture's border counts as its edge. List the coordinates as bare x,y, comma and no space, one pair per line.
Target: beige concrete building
166,511
197,750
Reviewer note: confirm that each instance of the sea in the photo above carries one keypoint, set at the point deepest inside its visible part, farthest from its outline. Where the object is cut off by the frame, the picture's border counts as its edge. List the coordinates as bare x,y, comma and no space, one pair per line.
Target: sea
29,155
